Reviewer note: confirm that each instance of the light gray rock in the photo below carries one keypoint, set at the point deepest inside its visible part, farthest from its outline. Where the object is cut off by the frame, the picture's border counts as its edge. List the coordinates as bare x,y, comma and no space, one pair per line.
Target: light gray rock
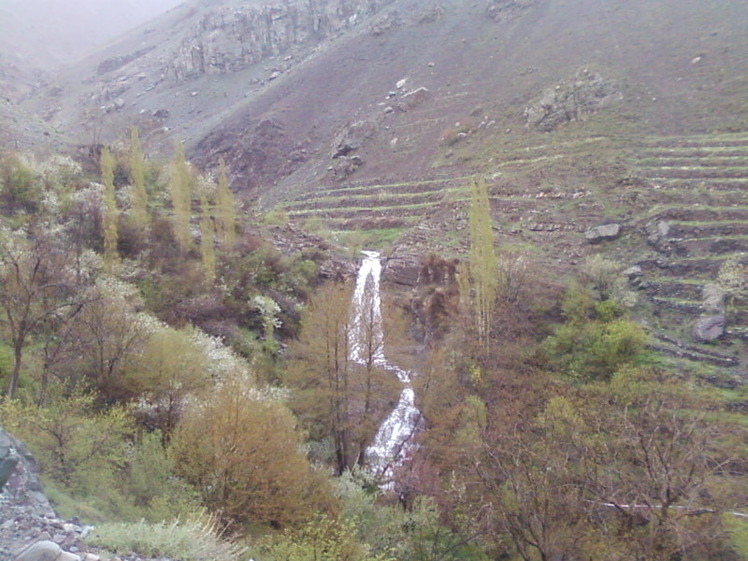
709,328
413,99
714,299
41,551
603,232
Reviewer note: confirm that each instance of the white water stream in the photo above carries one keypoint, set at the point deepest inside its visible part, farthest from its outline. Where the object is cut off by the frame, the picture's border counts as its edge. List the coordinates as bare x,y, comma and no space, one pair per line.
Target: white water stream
394,439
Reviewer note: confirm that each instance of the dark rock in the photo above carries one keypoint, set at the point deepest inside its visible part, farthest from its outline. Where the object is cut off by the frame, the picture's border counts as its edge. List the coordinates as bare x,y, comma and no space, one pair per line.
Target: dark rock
708,328
8,458
604,232
576,98
346,166
352,138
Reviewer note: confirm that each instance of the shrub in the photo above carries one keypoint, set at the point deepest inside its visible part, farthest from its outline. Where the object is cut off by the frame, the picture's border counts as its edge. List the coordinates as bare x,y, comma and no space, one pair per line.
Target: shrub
198,539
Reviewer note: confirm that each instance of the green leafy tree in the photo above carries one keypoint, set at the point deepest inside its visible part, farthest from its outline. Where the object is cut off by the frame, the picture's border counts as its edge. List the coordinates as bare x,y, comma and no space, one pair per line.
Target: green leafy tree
482,282
104,339
77,447
20,189
165,373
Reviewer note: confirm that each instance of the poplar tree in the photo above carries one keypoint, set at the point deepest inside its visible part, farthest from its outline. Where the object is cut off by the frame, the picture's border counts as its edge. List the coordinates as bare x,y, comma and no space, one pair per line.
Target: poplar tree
207,238
225,209
482,279
110,208
180,189
139,201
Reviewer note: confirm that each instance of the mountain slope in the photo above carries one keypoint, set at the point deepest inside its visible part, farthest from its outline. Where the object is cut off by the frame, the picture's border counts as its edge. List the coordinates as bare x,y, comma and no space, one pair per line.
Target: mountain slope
273,89
373,115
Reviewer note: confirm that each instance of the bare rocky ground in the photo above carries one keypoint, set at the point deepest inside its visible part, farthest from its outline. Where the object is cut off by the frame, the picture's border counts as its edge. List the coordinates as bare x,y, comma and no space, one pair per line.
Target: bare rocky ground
29,527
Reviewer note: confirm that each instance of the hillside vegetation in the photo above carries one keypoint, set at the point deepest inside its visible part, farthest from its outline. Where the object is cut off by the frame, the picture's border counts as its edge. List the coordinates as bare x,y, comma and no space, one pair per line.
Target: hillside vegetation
558,190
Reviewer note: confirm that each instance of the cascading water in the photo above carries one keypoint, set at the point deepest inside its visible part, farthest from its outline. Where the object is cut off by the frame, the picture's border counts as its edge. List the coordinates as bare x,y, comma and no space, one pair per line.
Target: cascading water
394,439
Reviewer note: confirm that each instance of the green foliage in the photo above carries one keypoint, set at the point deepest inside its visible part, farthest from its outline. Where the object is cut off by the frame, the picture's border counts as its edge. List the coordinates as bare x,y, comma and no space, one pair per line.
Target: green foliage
738,531
596,349
139,199
111,215
482,271
181,182
225,209
192,539
323,539
597,338
276,218
168,369
78,448
151,485
412,533
93,464
240,448
20,190
207,239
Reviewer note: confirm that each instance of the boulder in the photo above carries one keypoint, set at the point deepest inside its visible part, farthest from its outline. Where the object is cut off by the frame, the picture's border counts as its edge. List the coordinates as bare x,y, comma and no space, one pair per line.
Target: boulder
709,328
46,550
603,232
413,99
40,551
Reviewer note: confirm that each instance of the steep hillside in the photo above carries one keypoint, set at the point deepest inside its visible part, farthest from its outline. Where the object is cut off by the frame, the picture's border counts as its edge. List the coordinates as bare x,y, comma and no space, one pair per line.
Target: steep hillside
274,89
372,116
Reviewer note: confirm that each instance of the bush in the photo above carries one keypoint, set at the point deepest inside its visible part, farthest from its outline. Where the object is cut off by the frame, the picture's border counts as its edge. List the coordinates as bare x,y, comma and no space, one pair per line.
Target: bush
241,449
92,465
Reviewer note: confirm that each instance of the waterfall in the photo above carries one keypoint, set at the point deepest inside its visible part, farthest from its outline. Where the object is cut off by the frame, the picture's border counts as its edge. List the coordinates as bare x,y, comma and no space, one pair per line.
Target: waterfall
393,440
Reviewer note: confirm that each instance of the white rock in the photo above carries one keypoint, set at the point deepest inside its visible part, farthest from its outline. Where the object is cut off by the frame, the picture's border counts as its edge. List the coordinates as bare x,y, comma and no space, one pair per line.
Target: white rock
45,550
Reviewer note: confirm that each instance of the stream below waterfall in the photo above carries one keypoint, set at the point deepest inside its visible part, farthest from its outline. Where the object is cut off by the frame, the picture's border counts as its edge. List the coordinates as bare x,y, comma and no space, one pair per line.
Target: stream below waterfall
394,438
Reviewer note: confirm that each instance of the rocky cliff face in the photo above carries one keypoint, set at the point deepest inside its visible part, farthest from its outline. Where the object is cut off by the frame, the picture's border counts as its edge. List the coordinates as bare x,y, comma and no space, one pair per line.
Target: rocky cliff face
231,38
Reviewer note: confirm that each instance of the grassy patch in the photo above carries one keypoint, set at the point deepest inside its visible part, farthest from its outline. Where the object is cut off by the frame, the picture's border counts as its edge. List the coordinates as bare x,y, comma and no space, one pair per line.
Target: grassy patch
193,540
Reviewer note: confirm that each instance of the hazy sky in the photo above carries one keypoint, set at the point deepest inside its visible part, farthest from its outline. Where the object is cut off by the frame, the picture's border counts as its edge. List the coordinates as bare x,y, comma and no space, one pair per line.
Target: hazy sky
47,32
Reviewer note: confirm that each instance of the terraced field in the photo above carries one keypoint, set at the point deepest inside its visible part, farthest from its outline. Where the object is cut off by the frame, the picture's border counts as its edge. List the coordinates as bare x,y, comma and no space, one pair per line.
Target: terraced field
372,207
699,185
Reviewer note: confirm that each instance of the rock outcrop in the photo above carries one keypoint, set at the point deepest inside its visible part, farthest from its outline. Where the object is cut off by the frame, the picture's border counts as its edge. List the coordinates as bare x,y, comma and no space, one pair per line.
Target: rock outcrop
232,38
574,99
